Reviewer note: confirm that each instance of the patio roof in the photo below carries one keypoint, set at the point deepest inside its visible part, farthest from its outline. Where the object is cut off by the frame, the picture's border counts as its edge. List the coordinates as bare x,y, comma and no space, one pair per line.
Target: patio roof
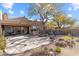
20,21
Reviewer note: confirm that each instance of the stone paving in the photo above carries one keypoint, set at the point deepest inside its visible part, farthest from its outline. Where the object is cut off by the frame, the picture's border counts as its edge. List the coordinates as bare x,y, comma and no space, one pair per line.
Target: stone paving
19,44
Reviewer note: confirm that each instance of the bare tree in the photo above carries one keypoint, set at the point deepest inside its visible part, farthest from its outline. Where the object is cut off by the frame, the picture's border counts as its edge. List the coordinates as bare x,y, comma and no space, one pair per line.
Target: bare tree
44,11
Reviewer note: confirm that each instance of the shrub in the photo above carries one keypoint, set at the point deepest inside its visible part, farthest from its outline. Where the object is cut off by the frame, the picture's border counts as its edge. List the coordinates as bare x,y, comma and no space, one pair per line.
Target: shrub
61,39
43,52
58,50
2,43
45,48
70,43
66,41
61,44
51,49
40,53
77,40
68,38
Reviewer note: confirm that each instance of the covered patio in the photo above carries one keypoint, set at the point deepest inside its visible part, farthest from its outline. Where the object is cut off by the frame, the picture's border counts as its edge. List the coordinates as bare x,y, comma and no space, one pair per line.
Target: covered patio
11,28
20,26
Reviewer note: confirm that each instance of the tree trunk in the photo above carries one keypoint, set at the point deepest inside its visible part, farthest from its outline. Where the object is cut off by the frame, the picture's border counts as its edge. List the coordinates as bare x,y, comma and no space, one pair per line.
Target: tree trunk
43,29
58,25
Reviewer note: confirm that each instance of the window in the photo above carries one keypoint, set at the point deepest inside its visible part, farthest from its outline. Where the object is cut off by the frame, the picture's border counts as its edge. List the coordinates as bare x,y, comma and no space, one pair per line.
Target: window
34,27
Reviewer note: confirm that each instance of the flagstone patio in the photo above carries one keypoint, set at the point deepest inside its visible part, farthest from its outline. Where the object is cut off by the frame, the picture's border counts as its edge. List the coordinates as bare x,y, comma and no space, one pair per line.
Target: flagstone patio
19,44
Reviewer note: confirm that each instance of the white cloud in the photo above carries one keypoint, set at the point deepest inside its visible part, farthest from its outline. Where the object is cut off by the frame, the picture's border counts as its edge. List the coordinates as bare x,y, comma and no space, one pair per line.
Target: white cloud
75,3
11,12
69,8
22,12
69,15
7,5
75,6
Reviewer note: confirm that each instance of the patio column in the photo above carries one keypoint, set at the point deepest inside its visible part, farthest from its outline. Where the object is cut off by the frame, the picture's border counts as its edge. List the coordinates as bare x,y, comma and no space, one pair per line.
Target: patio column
21,30
29,29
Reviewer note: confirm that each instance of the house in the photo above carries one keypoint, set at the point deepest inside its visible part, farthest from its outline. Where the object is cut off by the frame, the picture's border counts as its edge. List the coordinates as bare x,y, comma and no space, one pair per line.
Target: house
19,25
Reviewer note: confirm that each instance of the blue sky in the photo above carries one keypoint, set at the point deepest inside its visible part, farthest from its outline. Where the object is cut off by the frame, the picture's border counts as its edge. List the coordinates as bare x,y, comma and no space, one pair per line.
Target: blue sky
72,10
15,10
21,9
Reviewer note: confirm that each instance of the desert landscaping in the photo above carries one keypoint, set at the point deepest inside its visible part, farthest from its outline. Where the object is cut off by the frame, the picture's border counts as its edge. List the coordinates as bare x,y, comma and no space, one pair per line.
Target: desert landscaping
39,29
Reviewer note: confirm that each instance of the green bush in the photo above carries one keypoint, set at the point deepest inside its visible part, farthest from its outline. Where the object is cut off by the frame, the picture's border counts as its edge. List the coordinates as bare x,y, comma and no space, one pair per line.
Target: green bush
68,38
58,50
